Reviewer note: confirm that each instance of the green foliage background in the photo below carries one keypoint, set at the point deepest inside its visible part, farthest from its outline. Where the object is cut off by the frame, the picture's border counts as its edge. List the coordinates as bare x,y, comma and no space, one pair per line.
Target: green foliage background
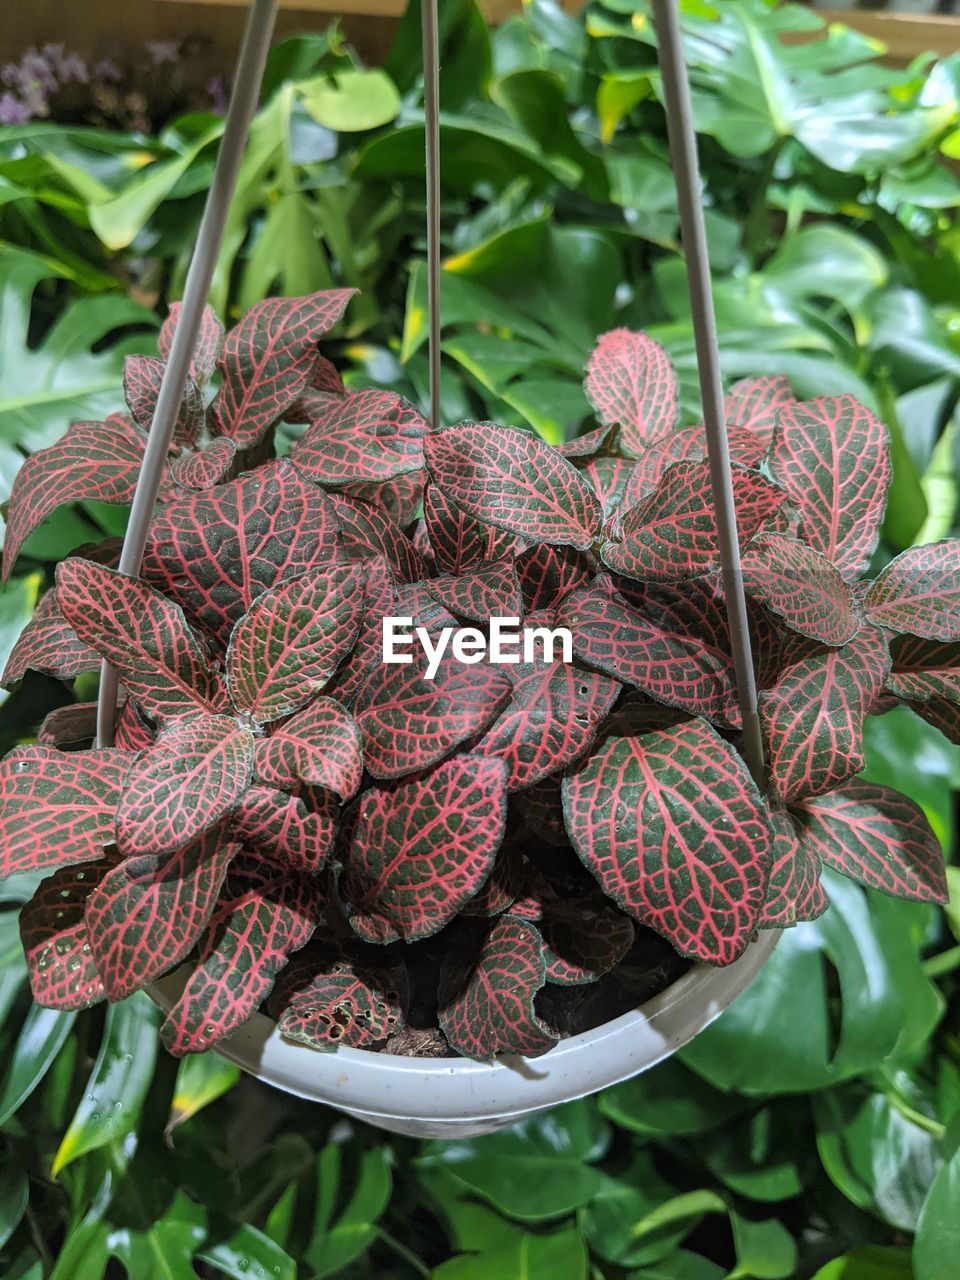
814,1129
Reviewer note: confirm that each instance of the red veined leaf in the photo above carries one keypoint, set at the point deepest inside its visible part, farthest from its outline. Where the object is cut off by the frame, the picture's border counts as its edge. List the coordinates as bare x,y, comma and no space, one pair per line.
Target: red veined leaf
942,714
501,887
510,478
366,436
320,746
144,635
813,716
924,670
205,468
631,382
400,498
263,916
369,531
754,403
582,940
142,376
592,443
209,341
551,719
833,458
673,534
182,785
686,671
409,722
795,892
95,460
423,849
801,586
609,478
677,834
69,725
215,552
379,602
326,377
686,445
285,829
878,837
50,645
133,732
54,936
487,988
57,809
287,646
268,359
353,998
919,592
492,591
536,897
459,542
148,913
547,574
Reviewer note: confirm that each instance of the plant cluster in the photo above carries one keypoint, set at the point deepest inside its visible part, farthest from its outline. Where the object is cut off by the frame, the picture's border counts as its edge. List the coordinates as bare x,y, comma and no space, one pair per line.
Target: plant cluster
276,788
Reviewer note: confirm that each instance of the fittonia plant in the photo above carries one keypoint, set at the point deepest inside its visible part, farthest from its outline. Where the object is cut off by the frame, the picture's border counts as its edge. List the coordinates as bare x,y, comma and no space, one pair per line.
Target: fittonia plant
277,789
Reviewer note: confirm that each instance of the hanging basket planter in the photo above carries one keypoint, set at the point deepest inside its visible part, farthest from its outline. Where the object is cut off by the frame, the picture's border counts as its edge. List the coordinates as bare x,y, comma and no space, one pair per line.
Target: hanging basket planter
295,842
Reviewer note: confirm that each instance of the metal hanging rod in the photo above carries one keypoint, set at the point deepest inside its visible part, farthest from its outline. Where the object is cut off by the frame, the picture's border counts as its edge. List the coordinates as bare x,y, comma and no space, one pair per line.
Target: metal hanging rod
686,167
431,116
243,104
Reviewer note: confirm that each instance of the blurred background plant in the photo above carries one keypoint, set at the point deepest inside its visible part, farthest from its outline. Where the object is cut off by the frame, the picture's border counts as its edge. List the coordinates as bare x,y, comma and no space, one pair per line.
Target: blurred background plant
814,1130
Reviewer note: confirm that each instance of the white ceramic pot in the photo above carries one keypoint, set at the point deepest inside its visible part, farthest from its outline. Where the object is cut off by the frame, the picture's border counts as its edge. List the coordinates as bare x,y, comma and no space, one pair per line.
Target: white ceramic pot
457,1098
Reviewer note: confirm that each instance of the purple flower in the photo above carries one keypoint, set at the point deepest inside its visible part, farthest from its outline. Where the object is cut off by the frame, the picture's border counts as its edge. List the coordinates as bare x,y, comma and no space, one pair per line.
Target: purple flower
36,70
12,110
106,69
161,51
73,70
217,92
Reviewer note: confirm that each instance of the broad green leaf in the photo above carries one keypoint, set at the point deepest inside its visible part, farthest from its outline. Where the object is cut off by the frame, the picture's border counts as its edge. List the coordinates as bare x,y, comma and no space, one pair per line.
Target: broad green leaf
342,1231
768,1156
668,1100
17,601
556,1255
40,1040
351,101
201,1079
14,1195
937,1242
870,1262
765,1250
111,1103
247,1254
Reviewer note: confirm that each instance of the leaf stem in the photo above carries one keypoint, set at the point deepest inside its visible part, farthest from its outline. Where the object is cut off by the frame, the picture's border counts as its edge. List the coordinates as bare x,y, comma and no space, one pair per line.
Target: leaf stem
944,962
403,1252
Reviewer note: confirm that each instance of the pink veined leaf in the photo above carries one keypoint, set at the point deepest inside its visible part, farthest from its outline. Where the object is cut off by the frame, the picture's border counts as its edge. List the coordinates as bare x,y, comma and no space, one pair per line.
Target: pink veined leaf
591,444
536,897
582,940
801,586
795,892
409,722
142,376
689,444
209,342
184,784
320,746
326,377
753,404
145,636
609,478
268,359
878,837
54,936
547,574
379,602
423,849
400,498
93,460
918,593
368,531
672,534
694,673
287,646
352,998
460,542
501,887
492,591
510,478
833,458
263,916
50,645
813,716
487,988
57,809
365,436
631,382
148,913
942,713
207,467
285,828
215,552
551,719
133,732
924,670
69,725
676,832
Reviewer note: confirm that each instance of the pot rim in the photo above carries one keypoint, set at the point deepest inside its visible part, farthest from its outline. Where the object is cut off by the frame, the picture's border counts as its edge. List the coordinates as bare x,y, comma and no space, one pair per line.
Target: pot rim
383,1086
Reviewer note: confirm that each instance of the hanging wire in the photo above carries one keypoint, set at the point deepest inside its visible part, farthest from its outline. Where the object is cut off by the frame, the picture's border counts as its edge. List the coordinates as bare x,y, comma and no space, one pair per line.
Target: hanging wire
683,151
431,111
243,103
